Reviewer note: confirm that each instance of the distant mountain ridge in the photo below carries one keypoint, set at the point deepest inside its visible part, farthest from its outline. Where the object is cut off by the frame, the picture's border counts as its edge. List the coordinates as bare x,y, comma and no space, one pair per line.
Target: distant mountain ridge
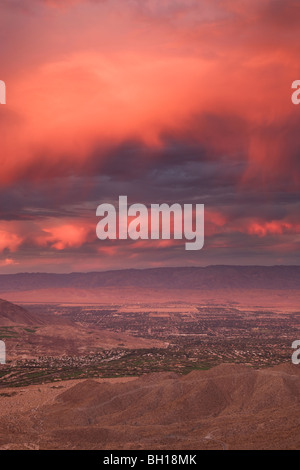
211,277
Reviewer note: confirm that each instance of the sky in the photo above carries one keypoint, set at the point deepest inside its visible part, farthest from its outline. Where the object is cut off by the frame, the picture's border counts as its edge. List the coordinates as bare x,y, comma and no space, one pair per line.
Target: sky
165,101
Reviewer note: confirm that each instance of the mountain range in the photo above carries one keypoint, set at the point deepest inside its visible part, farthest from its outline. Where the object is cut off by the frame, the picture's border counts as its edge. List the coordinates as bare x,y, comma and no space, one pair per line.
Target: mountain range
208,278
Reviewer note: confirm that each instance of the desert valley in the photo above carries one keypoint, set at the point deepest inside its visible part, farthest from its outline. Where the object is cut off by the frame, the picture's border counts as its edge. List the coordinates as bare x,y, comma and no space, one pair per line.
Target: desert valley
176,362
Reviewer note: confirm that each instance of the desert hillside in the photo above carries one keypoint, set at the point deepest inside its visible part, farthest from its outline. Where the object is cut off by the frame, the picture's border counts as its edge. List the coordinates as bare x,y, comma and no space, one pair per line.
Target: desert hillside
227,407
28,335
14,315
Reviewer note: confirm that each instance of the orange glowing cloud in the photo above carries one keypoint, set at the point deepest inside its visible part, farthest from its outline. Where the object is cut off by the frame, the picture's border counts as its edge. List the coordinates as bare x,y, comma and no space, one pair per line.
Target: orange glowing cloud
70,235
263,229
142,81
9,239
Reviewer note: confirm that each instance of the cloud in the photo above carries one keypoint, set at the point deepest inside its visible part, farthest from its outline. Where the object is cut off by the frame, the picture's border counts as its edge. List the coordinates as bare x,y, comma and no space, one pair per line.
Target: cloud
113,90
10,241
65,236
165,101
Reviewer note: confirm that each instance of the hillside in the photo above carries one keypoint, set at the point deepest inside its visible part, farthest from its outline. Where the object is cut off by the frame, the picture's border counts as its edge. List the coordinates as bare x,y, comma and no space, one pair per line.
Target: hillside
56,336
13,315
227,407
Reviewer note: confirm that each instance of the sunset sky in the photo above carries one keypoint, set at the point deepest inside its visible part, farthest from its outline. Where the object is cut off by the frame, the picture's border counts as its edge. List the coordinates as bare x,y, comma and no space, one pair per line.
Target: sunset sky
182,101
